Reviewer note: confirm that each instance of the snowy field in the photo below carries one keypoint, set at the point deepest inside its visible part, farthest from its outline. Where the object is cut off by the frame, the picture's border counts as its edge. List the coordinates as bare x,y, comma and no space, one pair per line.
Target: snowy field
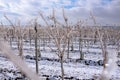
49,63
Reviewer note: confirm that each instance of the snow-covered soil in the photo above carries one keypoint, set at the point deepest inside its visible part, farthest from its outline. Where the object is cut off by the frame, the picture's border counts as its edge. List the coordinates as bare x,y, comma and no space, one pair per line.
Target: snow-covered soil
49,64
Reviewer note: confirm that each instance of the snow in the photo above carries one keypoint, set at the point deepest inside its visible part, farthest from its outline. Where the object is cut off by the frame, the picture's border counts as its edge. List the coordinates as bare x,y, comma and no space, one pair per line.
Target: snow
73,69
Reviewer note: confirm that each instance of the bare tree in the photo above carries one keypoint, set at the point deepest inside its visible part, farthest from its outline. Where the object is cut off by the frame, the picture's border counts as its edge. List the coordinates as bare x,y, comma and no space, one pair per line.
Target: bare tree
59,36
20,39
107,64
60,41
17,34
79,29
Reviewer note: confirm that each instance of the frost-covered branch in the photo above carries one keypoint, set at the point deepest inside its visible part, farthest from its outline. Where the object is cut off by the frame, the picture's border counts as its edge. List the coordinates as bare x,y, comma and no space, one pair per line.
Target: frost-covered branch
5,49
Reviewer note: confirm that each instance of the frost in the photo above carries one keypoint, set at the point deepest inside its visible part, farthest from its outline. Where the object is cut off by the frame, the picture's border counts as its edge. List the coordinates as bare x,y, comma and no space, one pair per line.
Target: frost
17,61
111,65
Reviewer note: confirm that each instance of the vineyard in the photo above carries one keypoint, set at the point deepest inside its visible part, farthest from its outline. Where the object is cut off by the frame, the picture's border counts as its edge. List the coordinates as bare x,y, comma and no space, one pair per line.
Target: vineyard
59,51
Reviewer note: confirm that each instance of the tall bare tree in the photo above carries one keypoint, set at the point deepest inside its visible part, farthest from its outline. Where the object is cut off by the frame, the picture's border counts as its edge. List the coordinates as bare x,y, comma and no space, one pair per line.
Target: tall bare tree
60,38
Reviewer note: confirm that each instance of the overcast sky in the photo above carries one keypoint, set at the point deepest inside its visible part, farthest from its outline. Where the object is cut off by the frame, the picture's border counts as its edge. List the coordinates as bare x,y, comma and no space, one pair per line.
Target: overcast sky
106,11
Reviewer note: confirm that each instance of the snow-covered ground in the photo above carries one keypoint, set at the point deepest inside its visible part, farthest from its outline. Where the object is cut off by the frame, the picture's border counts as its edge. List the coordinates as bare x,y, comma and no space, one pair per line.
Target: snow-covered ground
74,69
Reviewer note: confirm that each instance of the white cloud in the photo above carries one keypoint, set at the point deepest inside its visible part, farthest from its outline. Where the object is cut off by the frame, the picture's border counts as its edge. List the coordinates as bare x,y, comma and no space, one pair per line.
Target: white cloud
106,11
